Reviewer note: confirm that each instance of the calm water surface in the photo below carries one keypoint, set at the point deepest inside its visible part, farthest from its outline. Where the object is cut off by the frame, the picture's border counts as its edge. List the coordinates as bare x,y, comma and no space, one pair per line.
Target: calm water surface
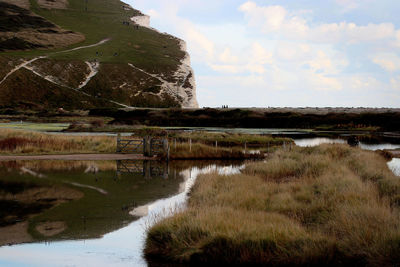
308,142
107,226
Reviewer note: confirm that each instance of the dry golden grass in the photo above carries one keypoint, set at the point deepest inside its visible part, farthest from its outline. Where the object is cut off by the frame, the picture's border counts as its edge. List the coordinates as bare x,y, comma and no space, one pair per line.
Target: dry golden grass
231,139
329,205
24,142
202,151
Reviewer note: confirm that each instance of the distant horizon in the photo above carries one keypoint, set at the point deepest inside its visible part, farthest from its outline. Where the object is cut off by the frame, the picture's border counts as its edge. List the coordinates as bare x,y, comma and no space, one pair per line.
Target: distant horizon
287,54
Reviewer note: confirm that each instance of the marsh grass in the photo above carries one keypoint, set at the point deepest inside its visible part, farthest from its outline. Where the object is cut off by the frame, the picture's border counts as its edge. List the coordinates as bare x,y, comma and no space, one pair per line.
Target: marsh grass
25,142
202,151
328,205
231,139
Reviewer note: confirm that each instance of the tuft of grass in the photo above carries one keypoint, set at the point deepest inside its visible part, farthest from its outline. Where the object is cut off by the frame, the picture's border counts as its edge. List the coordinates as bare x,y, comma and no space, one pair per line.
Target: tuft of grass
328,205
25,142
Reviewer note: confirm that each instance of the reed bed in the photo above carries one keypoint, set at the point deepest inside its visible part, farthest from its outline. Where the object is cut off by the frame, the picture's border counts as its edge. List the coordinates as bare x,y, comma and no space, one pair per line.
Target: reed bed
329,205
26,142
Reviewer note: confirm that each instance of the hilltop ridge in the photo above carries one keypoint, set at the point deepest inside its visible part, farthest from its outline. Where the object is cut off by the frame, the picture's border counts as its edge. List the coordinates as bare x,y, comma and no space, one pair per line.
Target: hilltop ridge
88,54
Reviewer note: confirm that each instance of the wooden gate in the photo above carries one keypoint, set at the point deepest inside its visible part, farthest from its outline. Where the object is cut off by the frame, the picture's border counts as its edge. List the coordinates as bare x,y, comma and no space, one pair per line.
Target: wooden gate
156,146
130,146
147,146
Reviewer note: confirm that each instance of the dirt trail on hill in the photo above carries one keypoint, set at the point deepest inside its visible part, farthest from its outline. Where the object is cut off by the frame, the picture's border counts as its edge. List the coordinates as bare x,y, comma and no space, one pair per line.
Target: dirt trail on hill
77,157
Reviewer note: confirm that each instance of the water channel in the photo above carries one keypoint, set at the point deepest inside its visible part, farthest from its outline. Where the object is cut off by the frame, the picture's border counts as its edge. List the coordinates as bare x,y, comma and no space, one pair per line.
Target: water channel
104,226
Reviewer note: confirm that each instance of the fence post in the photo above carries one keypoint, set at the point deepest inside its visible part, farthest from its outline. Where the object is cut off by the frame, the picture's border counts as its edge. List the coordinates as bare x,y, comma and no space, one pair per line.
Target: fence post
216,145
175,144
144,146
245,148
147,146
190,145
166,147
147,169
118,143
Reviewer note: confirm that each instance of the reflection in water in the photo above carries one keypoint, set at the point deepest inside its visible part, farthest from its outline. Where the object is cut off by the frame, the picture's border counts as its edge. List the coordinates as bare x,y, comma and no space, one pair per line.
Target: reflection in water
147,168
124,246
378,146
309,142
394,165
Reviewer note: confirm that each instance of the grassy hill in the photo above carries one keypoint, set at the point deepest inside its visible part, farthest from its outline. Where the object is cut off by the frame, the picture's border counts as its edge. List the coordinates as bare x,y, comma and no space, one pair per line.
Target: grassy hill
132,65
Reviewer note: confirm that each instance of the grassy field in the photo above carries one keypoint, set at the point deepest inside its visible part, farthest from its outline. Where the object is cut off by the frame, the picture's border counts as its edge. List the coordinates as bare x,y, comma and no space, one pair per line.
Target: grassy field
328,205
25,142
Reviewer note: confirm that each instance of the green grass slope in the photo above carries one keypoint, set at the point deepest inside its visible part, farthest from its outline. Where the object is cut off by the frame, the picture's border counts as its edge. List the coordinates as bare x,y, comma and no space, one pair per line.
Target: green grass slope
148,52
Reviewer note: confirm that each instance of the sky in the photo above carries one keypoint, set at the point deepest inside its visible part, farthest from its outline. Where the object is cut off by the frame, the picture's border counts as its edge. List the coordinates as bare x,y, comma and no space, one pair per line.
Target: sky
287,53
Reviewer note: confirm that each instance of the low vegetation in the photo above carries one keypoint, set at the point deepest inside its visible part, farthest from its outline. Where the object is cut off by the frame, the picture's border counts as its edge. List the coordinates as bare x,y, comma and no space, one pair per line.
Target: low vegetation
24,142
329,205
202,151
332,119
229,139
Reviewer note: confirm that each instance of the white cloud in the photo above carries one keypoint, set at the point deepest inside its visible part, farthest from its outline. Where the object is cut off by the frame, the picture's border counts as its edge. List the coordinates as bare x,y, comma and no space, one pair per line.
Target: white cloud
395,82
273,16
292,51
348,5
152,13
251,60
397,41
228,57
388,61
278,20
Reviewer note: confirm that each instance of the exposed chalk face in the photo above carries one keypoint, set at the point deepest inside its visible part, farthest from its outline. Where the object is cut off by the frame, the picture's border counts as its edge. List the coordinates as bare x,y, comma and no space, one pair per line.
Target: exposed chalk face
143,20
186,88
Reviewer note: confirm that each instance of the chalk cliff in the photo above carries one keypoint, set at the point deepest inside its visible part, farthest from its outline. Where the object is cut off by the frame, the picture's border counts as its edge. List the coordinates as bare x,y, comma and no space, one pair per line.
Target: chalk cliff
88,54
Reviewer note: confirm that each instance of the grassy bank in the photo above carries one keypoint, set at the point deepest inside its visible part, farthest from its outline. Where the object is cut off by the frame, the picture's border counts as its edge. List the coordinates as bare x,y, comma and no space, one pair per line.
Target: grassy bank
328,205
25,142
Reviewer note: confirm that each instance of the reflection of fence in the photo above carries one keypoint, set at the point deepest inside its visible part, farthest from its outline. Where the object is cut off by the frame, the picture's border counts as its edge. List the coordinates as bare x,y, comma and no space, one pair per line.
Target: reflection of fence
147,168
147,146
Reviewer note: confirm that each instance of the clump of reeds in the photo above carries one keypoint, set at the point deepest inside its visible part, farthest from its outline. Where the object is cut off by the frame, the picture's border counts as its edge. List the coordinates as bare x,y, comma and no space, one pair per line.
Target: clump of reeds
24,142
329,205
